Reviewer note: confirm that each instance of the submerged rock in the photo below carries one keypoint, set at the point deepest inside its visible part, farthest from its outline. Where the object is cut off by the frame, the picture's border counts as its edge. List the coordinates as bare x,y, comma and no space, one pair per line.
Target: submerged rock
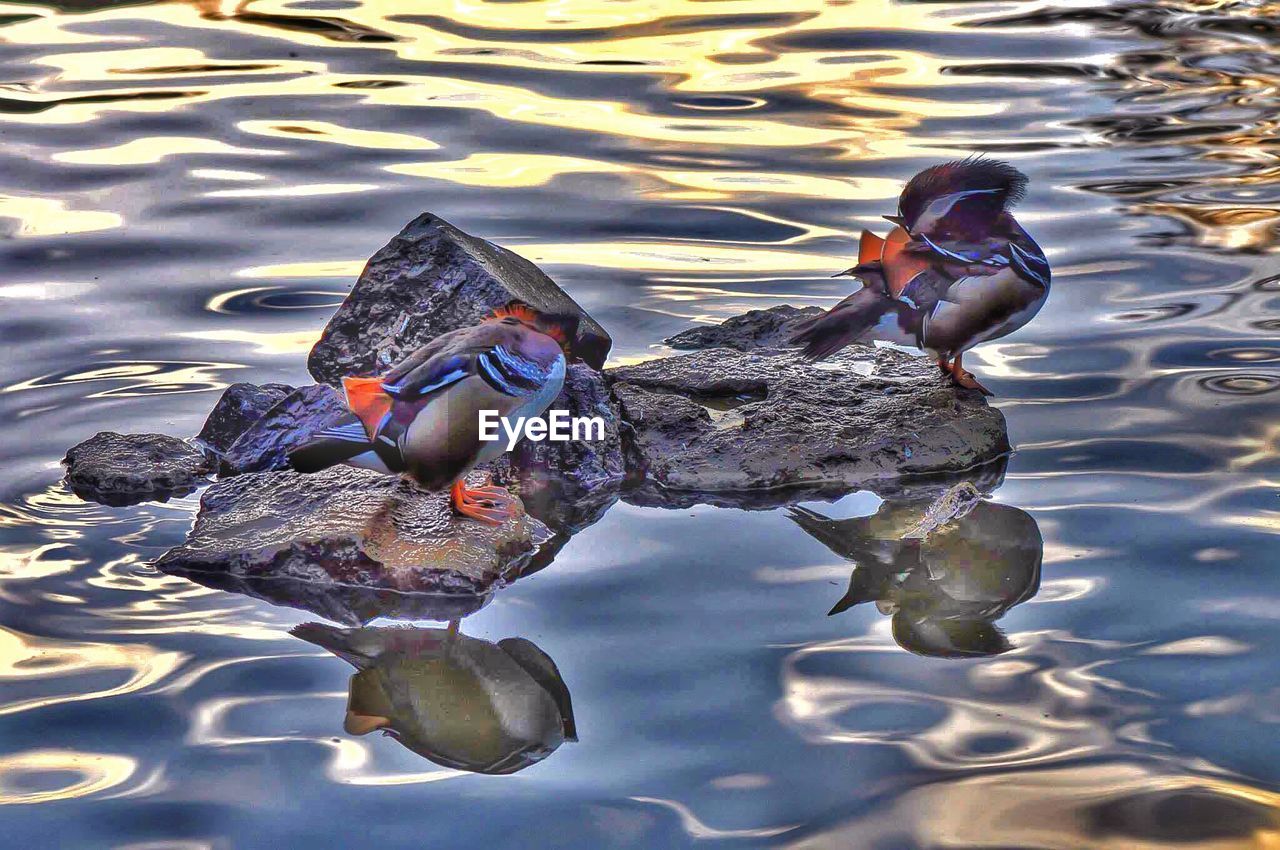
124,469
265,445
755,329
348,526
752,429
432,278
239,407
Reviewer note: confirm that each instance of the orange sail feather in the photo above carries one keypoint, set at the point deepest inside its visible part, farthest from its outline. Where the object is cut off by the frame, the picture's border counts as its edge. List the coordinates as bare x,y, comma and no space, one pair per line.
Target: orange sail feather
368,401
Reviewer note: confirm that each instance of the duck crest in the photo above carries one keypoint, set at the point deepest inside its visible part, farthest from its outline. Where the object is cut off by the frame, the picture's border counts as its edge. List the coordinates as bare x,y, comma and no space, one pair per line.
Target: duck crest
972,174
515,310
560,327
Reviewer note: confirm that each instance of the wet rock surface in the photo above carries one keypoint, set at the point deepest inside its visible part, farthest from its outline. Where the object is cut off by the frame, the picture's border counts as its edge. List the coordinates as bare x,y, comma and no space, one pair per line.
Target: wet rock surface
430,279
265,444
350,527
237,409
124,469
751,429
753,330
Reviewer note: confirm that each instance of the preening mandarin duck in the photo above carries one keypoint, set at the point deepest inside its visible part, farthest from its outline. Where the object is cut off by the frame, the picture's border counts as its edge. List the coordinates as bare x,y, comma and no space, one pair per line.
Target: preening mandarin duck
956,270
421,419
459,701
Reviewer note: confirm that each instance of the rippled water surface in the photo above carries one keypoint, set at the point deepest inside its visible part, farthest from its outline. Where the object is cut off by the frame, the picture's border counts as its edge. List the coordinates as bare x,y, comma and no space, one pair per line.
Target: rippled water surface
188,188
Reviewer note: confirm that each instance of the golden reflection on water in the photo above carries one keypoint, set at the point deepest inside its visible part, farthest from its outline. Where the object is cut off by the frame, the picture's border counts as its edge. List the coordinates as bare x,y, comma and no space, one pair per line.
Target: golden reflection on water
40,562
148,151
61,775
695,51
1101,807
50,217
46,659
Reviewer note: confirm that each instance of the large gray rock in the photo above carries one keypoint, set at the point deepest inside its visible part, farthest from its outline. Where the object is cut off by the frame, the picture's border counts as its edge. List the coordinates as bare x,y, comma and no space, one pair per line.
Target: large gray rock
753,330
570,485
239,407
124,469
349,526
432,278
753,429
265,445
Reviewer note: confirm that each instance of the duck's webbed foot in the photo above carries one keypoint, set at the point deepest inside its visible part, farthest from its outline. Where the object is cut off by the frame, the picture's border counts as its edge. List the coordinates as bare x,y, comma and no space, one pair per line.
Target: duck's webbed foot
488,504
964,378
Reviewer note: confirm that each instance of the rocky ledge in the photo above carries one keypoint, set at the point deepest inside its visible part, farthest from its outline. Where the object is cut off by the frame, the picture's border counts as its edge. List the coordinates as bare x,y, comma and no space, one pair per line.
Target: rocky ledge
348,526
748,423
431,278
124,469
739,421
754,330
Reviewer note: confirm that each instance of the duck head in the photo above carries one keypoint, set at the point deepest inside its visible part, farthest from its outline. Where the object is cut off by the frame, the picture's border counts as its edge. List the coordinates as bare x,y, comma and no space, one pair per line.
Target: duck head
958,201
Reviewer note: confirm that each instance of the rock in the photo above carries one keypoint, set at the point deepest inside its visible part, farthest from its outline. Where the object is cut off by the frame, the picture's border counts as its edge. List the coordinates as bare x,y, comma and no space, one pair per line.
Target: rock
348,526
240,406
124,469
755,429
752,330
265,445
429,279
570,485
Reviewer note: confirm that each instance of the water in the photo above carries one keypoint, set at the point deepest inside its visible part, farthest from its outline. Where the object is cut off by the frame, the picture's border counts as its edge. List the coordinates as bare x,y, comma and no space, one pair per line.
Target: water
187,189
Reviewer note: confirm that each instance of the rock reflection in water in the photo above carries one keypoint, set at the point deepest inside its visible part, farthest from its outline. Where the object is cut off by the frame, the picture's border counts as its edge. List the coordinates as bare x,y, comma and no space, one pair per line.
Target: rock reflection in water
460,701
944,586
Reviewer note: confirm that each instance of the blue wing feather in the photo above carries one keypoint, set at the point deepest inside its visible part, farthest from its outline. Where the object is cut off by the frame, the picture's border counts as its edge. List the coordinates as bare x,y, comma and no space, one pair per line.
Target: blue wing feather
428,378
1033,267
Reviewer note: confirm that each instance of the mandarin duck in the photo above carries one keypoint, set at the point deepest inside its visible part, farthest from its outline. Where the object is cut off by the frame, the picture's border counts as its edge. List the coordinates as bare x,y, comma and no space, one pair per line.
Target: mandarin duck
461,702
421,419
956,270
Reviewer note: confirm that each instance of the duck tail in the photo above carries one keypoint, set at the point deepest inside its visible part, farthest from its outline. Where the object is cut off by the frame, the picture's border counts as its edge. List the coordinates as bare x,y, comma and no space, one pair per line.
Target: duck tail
843,324
369,400
339,443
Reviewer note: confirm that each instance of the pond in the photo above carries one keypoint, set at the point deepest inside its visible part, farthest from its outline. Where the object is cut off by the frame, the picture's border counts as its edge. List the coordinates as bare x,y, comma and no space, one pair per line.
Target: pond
188,189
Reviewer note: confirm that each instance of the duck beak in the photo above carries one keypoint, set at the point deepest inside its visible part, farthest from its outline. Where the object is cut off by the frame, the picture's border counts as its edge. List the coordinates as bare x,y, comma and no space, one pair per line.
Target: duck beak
859,270
894,219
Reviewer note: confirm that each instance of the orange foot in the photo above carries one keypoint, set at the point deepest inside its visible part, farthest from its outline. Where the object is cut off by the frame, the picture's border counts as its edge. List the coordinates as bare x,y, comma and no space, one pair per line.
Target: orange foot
963,377
491,505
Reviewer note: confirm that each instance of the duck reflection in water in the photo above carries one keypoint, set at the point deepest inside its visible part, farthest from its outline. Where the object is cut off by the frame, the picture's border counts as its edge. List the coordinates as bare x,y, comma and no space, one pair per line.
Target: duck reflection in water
944,580
458,701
